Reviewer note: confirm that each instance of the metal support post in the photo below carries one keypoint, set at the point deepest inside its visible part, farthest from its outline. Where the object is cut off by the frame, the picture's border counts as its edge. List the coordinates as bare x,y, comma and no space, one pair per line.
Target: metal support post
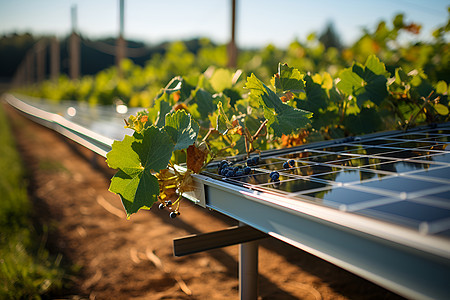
248,270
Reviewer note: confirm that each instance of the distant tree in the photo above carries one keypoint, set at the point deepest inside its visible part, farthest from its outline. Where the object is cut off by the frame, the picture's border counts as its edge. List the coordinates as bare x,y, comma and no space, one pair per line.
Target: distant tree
330,38
13,48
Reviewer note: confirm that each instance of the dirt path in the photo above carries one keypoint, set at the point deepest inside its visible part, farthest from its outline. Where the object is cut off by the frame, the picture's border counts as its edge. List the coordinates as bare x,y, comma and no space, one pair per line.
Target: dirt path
120,259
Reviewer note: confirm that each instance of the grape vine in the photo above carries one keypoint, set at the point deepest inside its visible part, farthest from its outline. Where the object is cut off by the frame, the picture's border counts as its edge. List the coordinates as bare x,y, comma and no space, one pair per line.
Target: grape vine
197,120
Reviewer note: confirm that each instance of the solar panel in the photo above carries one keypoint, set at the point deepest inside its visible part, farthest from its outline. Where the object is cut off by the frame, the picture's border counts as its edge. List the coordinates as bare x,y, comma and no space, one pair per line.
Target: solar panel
401,178
377,205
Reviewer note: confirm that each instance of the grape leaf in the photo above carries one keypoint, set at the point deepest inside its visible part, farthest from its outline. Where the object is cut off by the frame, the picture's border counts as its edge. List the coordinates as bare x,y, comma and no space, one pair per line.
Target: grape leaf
162,107
367,121
221,80
282,118
181,129
366,82
136,157
316,97
205,103
288,79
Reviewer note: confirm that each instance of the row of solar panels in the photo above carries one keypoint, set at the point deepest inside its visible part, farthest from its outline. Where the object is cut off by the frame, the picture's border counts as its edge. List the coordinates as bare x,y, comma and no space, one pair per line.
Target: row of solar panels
377,205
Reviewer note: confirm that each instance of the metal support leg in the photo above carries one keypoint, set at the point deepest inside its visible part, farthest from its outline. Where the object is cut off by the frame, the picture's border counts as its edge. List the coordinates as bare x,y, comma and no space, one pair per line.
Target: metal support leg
248,270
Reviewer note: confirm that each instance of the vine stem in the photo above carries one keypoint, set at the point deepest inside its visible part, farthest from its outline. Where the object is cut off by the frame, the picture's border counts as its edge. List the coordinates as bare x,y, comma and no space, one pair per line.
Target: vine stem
263,126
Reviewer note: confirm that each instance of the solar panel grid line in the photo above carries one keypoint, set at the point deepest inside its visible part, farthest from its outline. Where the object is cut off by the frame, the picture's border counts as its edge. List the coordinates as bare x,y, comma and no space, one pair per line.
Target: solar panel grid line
396,190
422,175
432,159
376,227
368,204
392,168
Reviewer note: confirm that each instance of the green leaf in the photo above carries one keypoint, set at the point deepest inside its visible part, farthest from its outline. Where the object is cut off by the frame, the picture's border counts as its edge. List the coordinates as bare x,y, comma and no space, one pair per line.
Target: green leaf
205,103
233,94
367,121
441,87
122,157
162,107
136,157
221,80
366,82
282,118
154,148
288,79
316,97
139,192
441,109
375,66
181,129
350,82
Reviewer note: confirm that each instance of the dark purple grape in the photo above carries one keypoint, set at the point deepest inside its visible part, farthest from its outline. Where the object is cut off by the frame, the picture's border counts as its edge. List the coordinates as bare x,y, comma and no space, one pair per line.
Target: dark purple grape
274,175
291,162
230,173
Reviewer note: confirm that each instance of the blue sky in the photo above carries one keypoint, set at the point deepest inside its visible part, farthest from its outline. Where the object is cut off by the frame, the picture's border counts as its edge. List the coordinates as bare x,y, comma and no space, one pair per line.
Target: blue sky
258,22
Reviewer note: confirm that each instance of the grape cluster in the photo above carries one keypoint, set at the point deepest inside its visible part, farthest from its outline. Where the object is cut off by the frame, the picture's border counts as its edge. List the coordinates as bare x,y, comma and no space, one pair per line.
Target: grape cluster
228,170
275,176
288,164
173,214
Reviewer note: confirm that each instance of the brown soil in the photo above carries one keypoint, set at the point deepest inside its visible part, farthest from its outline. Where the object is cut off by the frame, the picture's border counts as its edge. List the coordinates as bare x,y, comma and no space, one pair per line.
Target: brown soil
133,259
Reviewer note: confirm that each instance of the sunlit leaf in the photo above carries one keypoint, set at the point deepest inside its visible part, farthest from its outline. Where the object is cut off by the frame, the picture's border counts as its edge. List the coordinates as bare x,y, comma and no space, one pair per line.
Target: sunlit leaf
137,157
282,118
181,129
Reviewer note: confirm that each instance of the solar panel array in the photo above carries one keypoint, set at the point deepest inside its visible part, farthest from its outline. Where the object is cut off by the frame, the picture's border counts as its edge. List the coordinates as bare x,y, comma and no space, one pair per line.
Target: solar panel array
401,178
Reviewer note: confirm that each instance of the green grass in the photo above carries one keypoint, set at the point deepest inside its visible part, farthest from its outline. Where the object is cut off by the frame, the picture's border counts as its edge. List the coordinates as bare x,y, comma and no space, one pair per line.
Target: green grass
27,271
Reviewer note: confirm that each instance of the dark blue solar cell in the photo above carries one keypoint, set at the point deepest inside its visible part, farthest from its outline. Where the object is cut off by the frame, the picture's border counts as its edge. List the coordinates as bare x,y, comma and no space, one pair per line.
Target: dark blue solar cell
441,158
402,184
417,136
341,148
406,212
339,196
404,153
444,196
311,169
293,186
378,142
401,166
442,173
413,144
360,162
439,139
349,176
378,150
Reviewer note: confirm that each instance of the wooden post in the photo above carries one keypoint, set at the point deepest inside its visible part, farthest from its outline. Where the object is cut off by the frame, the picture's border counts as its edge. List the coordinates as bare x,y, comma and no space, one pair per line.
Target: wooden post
54,59
120,55
74,47
74,56
232,49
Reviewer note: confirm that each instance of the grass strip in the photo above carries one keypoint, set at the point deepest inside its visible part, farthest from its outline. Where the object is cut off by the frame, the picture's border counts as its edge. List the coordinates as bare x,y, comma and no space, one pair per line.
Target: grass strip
27,271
